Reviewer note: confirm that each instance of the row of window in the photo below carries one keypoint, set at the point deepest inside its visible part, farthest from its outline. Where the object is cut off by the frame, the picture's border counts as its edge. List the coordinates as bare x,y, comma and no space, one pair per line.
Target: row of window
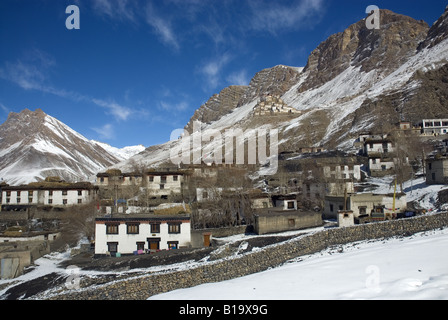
134,228
163,179
436,124
50,201
50,193
112,247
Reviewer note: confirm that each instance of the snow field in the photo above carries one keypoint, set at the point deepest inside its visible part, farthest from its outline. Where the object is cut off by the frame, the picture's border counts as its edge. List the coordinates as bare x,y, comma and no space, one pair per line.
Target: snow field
414,268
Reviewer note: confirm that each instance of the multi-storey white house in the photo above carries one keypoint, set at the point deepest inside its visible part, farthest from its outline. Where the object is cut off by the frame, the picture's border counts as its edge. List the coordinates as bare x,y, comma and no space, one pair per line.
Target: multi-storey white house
164,183
53,195
376,147
435,126
141,234
343,172
157,183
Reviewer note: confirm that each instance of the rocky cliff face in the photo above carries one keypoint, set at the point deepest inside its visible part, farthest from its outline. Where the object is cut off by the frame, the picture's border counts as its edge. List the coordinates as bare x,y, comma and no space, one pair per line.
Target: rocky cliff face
357,80
382,50
217,106
274,81
437,33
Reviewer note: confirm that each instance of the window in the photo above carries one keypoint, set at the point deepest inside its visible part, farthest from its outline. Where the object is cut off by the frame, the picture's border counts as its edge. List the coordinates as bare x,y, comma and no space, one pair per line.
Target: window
50,193
163,179
64,192
205,195
162,187
140,246
174,228
172,245
331,208
430,166
362,211
151,179
79,192
155,227
175,178
79,201
50,201
290,204
64,201
133,228
433,177
112,247
112,229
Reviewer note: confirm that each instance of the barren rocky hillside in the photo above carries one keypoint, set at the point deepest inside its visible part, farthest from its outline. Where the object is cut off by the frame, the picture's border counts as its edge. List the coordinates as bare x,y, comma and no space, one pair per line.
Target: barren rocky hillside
355,81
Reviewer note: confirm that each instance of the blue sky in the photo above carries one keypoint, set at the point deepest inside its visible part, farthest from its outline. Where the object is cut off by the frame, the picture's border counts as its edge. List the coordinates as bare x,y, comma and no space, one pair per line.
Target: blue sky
137,70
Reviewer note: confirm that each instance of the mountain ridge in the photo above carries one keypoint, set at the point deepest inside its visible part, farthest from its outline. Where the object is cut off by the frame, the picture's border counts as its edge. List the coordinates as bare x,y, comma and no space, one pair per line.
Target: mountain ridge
35,145
355,81
339,90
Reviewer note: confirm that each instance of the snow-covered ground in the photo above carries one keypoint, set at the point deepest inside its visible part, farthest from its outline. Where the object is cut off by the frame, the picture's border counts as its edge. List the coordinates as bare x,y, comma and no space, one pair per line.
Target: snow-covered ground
400,268
415,189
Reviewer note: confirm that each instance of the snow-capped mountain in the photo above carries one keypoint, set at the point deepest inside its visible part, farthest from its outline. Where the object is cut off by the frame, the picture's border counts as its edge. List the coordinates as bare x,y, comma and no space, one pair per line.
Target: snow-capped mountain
34,145
121,153
357,80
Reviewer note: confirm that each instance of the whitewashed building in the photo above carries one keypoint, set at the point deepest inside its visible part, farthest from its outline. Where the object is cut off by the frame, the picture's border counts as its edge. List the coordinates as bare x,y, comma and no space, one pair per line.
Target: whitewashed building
53,195
375,147
343,172
126,235
362,204
435,126
437,170
162,184
156,183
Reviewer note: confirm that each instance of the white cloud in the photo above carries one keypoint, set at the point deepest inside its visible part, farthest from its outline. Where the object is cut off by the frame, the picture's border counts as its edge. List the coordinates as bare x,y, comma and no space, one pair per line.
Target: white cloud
181,106
4,108
106,132
162,27
274,17
239,78
31,73
212,70
121,10
118,111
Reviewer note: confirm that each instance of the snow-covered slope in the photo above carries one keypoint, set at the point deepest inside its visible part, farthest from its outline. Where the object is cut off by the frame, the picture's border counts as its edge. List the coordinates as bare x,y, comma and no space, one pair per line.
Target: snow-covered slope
368,68
395,269
35,145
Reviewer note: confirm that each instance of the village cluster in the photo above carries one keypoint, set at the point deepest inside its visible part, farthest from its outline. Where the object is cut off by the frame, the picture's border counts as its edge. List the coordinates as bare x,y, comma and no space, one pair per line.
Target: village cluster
145,211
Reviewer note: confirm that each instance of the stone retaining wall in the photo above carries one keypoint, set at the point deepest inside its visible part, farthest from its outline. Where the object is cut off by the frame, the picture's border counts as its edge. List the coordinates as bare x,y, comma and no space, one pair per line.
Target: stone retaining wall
271,256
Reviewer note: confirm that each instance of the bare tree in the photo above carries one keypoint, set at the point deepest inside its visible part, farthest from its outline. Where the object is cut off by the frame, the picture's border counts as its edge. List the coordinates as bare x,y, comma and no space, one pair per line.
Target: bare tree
78,222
